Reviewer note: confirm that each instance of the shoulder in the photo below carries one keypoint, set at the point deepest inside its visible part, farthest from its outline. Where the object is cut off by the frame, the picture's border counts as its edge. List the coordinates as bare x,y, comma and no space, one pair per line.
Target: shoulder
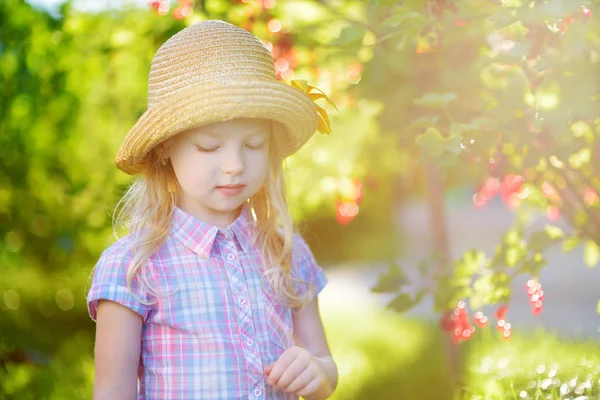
111,280
115,259
305,267
299,246
120,248
118,252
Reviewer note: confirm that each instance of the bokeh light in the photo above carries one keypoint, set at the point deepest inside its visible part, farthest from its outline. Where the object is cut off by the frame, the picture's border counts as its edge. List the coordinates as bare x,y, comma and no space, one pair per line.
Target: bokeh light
274,25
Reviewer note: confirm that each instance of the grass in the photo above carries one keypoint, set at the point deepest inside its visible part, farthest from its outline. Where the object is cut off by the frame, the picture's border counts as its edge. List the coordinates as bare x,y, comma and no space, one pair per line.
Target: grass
540,366
382,355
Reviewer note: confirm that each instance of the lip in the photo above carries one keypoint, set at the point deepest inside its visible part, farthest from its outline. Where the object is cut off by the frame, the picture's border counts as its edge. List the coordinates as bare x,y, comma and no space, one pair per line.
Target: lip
231,190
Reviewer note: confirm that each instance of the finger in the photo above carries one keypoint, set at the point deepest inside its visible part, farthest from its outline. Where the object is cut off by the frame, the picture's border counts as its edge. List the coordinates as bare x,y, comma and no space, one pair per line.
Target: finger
311,387
293,371
281,365
268,369
301,380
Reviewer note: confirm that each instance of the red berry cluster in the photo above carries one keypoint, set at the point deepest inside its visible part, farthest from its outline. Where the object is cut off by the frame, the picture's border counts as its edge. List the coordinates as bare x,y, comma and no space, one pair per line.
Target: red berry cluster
480,319
536,296
564,23
509,188
456,323
502,325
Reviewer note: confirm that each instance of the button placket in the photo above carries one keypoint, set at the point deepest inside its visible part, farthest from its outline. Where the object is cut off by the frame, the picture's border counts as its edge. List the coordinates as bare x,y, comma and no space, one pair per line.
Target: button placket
243,314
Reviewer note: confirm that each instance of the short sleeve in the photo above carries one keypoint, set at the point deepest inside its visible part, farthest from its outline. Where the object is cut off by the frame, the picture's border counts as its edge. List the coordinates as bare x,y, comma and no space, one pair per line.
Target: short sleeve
305,267
110,283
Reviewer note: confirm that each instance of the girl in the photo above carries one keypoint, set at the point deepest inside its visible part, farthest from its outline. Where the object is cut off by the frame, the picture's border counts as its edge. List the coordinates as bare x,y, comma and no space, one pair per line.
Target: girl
211,296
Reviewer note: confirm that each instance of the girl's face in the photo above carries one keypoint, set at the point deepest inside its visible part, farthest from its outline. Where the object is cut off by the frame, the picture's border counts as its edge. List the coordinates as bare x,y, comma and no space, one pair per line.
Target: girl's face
220,166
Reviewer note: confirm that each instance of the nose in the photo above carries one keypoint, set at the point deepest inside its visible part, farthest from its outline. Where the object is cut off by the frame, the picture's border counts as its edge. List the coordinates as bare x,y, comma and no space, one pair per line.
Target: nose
232,162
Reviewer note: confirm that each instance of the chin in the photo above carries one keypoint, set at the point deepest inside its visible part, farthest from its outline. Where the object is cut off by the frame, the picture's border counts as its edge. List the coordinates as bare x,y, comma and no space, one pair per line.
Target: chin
228,205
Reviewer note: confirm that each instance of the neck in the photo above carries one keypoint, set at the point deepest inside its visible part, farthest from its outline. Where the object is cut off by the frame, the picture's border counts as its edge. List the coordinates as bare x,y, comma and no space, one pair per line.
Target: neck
220,219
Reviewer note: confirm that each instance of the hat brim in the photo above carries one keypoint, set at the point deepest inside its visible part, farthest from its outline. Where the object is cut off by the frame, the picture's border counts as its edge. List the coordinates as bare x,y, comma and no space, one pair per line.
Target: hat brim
207,103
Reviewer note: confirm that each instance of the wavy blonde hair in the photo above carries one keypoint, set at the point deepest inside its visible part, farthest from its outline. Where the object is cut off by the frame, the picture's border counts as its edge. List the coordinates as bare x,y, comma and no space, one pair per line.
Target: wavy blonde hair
147,207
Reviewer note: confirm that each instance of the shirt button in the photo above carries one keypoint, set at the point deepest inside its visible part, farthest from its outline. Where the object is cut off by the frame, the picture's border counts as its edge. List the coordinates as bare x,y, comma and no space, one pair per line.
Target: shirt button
242,300
257,392
250,342
230,256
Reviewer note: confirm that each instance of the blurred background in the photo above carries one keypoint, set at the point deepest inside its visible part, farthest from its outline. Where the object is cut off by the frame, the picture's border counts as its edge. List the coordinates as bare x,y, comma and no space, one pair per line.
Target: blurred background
454,207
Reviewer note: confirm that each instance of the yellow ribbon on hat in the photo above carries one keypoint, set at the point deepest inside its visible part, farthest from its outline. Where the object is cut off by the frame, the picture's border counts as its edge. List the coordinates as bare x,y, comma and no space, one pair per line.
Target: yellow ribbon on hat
324,124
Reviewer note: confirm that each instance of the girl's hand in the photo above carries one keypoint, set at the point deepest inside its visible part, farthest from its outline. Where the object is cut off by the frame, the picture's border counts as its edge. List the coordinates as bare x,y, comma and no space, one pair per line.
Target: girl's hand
296,371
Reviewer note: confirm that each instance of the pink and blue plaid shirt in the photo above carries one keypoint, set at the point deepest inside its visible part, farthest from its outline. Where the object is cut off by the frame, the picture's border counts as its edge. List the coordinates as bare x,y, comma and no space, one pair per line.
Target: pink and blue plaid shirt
214,335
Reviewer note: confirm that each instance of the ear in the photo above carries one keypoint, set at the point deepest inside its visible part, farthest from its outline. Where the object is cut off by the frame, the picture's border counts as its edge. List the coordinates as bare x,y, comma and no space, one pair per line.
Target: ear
162,149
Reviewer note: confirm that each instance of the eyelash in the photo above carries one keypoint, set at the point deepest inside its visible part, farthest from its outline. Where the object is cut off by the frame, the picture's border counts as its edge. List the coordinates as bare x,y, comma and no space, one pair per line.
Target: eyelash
205,150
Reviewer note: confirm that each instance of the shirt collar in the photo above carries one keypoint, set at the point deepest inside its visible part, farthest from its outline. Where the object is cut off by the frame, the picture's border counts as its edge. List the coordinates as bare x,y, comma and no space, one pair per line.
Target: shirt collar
199,236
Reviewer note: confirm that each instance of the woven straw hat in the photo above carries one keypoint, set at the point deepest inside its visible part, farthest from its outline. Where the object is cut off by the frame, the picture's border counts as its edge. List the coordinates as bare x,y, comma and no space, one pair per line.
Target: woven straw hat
213,71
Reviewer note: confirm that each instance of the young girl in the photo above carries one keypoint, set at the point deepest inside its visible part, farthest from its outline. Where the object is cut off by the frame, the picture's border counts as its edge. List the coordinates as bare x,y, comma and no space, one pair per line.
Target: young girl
211,295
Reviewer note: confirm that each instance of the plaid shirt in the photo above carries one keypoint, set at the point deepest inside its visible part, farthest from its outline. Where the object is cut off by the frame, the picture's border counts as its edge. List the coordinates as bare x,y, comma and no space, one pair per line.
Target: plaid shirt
218,326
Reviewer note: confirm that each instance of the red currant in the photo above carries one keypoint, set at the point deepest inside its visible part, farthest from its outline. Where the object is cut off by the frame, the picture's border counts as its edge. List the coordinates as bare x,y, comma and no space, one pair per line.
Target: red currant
501,312
480,319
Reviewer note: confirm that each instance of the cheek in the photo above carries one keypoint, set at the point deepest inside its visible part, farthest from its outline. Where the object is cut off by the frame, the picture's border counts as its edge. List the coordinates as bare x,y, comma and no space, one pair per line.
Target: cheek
260,164
191,170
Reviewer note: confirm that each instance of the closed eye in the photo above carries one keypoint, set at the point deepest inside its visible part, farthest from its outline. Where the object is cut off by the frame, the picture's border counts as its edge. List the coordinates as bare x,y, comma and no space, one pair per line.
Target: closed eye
255,146
207,149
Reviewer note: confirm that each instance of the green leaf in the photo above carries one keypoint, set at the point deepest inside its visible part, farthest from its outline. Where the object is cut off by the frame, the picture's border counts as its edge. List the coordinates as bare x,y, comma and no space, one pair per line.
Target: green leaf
391,281
350,35
489,289
554,232
425,121
513,255
453,144
580,158
471,263
512,237
591,253
534,265
482,288
431,142
436,99
581,129
540,240
570,243
401,303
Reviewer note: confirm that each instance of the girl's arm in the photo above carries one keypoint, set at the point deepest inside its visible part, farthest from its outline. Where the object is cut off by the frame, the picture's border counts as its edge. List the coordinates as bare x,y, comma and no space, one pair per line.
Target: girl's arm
309,334
117,352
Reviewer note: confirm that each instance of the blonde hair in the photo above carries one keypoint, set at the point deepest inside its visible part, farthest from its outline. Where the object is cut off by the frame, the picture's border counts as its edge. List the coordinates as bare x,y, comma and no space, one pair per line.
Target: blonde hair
147,207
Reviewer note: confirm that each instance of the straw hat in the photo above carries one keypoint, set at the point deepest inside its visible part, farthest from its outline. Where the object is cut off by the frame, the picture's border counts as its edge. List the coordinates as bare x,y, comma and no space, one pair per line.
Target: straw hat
213,71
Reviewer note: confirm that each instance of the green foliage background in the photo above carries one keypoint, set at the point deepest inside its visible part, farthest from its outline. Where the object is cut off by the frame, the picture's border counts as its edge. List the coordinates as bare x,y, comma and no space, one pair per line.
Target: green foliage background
419,83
